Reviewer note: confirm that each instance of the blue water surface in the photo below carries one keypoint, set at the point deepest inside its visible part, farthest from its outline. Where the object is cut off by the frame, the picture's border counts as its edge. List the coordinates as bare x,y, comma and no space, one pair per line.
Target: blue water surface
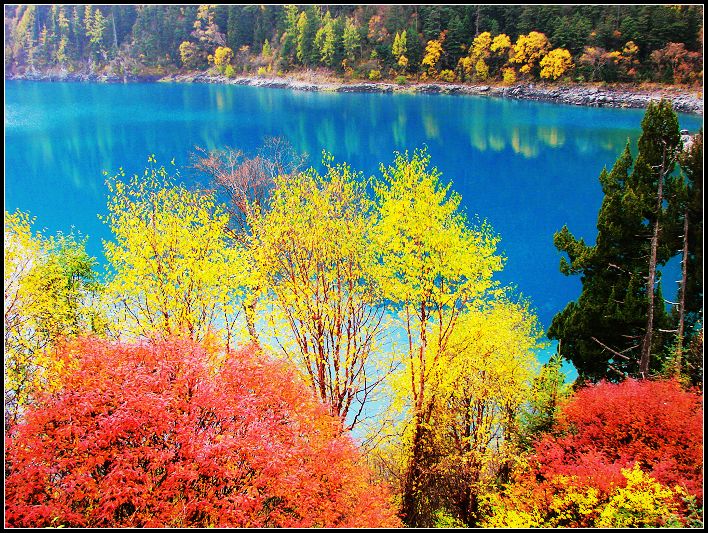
526,167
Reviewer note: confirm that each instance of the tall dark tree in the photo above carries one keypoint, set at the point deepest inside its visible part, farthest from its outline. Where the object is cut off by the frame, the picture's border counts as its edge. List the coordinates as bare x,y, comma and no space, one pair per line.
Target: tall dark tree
689,309
619,325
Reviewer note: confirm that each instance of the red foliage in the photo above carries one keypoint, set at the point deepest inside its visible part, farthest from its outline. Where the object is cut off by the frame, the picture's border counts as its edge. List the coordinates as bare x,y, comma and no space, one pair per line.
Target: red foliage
149,436
609,426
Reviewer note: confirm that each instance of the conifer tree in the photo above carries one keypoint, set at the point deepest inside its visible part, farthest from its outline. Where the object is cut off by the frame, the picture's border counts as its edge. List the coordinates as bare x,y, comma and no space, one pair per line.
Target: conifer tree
618,325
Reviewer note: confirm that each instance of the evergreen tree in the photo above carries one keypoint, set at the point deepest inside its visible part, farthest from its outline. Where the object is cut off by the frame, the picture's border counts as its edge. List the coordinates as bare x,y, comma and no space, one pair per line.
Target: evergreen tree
615,328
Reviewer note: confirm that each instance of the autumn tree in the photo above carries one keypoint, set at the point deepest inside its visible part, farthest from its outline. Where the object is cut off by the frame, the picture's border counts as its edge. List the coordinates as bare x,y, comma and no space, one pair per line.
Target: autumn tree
223,56
478,394
313,252
556,63
400,49
433,53
474,65
170,435
595,59
351,40
173,269
528,52
50,292
432,265
627,454
325,41
246,183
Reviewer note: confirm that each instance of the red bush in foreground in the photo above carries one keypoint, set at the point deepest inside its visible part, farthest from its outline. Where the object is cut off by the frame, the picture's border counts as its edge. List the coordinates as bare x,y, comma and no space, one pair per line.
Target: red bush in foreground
606,427
150,436
574,477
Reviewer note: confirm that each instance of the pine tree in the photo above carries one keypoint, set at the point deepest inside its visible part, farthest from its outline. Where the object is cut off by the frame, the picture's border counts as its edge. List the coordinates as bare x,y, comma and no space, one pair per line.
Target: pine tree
615,328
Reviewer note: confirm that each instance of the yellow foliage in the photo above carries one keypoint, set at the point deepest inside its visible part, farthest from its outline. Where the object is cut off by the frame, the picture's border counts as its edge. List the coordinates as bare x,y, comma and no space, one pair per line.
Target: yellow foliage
528,51
174,272
49,287
509,76
481,70
556,63
314,255
642,503
433,51
223,56
501,44
481,45
447,75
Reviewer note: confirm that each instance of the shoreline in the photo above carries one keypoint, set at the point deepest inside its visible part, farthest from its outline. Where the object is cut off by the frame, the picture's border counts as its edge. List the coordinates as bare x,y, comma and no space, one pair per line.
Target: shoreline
683,100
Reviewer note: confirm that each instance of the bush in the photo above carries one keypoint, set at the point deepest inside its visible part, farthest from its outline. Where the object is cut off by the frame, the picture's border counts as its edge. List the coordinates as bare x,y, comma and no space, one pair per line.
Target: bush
262,71
447,75
154,436
374,75
401,80
229,71
604,434
509,76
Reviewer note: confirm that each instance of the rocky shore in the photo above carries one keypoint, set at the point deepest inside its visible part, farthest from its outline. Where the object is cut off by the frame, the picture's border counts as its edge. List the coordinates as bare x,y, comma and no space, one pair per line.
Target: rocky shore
583,95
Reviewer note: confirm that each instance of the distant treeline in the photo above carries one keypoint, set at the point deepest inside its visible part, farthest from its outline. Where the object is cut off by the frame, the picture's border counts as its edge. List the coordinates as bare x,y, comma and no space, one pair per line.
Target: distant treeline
451,43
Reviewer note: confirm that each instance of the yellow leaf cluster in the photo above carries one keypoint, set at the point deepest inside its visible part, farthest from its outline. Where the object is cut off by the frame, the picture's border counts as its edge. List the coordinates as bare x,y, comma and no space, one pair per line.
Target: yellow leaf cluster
529,49
556,63
174,273
48,292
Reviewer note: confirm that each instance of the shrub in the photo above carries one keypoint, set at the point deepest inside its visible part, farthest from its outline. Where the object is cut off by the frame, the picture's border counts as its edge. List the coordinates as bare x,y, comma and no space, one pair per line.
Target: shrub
262,71
623,455
223,56
655,423
401,80
229,71
509,76
447,75
374,75
154,436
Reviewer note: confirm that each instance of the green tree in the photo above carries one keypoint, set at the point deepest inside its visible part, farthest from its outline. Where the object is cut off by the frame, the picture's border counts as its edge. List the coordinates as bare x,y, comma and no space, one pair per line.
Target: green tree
690,308
352,40
307,25
612,330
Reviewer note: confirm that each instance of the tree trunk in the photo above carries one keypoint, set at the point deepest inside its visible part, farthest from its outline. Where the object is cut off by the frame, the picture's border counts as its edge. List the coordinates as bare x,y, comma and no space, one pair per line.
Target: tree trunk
682,300
646,345
250,314
412,479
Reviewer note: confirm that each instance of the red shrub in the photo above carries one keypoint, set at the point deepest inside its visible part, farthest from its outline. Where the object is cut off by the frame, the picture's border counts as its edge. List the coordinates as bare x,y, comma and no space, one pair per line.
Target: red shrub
608,426
150,436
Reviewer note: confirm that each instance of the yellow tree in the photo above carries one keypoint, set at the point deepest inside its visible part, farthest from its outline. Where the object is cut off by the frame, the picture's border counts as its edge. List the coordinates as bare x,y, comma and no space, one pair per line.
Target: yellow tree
474,64
431,265
479,390
223,56
556,63
313,251
433,52
529,50
174,271
399,49
49,289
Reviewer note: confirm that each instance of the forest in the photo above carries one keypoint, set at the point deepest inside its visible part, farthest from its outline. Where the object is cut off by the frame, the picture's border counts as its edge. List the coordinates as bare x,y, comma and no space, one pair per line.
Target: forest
293,346
463,43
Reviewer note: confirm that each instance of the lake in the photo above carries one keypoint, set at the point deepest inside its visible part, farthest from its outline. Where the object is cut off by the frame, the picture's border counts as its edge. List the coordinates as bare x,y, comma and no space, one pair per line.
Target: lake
527,167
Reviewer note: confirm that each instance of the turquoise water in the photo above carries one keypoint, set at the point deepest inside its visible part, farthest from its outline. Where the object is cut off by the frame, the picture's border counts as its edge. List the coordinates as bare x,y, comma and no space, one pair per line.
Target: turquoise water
527,167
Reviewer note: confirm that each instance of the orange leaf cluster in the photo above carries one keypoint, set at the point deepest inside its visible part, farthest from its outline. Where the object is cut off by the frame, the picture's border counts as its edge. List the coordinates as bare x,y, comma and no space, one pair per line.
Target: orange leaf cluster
154,436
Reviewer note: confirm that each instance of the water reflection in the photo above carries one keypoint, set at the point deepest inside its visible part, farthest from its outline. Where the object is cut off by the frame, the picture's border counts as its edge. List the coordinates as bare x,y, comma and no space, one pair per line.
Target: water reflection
527,167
